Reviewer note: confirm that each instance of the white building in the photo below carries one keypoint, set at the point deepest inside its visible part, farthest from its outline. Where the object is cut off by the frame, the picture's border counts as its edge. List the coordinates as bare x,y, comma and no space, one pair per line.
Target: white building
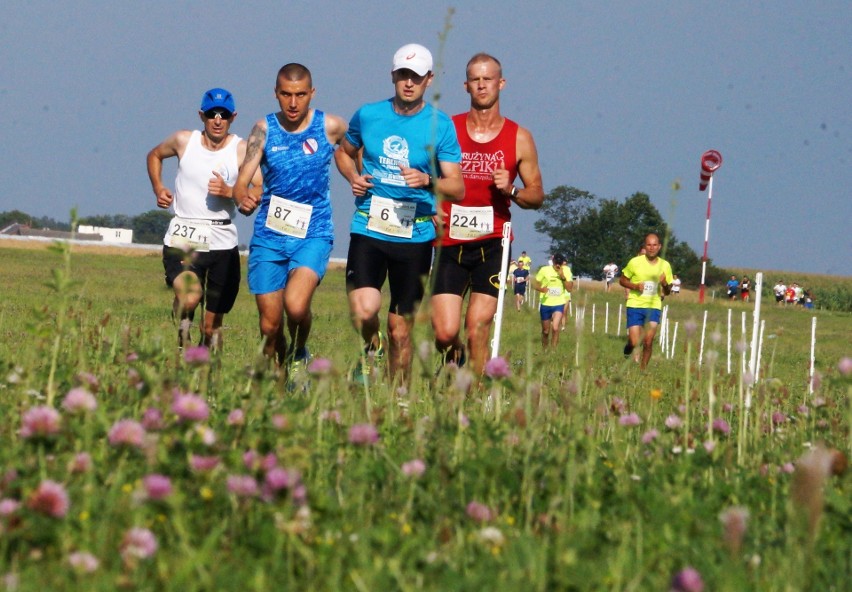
109,235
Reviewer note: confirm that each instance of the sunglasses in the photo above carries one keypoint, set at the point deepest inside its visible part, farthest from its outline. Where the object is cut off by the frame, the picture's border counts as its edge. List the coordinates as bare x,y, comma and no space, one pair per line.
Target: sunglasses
214,113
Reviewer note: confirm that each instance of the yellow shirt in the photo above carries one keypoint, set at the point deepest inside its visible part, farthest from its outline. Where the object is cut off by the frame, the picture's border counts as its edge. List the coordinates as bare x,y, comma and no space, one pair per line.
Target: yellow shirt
641,271
548,278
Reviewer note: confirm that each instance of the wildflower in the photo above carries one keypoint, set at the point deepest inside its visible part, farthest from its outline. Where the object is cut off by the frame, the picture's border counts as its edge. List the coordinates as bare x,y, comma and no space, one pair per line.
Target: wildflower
741,346
630,420
687,580
40,422
300,494
319,367
727,407
196,355
79,400
720,426
157,487
690,327
812,470
788,467
845,366
127,432
497,367
131,357
479,512
279,478
748,378
236,417
709,446
9,506
650,436
734,521
656,394
778,418
203,463
242,485
138,543
673,422
464,421
463,380
803,410
332,415
49,499
81,463
152,419
617,405
413,468
716,337
363,434
190,407
491,535
88,380
83,562
206,434
280,422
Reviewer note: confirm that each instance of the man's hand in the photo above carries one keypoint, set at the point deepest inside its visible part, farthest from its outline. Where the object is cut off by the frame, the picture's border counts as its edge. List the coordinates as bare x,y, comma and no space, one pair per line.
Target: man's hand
164,198
361,184
217,186
500,176
414,178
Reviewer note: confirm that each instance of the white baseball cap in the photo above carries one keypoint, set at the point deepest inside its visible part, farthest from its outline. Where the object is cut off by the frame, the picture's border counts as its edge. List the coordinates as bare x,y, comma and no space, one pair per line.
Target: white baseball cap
414,57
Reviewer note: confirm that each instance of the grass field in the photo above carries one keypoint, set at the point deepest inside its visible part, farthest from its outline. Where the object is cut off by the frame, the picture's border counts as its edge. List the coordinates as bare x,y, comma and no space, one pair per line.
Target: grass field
573,471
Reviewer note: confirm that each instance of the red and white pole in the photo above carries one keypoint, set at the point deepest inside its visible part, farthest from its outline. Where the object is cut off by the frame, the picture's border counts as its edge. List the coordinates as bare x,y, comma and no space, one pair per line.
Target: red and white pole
710,162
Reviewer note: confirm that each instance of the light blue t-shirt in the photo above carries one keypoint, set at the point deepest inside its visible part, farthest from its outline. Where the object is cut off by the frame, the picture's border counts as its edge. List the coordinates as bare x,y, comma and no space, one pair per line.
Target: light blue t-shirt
391,140
295,166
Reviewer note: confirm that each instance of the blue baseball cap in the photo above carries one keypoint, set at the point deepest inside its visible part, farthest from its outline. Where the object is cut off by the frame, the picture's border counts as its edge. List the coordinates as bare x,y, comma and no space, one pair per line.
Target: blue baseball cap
218,97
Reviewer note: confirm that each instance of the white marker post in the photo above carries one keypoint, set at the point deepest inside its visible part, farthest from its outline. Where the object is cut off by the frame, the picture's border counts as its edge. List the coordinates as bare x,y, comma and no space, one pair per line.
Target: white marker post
618,327
755,340
813,358
703,331
606,321
501,295
674,341
729,341
710,163
594,314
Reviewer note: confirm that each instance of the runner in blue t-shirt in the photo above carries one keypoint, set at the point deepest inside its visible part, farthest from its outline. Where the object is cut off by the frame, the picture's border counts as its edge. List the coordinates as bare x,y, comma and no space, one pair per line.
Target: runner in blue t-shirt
293,233
389,156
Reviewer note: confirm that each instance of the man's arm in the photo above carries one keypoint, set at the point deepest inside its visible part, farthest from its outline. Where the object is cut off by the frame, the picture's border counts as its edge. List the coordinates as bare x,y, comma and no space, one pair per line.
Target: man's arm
335,128
174,145
532,195
247,201
626,283
346,157
451,183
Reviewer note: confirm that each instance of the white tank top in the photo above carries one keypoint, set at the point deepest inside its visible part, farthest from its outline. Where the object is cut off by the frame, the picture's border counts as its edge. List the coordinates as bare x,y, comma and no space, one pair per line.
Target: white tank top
192,201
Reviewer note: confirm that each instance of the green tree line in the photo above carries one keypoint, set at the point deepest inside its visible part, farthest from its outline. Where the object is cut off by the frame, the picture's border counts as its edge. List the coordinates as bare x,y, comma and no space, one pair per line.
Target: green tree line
148,227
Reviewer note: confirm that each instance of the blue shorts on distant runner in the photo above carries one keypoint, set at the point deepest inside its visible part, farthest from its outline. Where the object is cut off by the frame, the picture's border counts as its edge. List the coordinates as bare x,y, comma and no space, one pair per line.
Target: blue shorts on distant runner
270,263
640,316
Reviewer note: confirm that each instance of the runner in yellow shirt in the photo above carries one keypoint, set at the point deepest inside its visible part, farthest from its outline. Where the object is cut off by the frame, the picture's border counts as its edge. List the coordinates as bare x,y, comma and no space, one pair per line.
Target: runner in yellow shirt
645,276
554,282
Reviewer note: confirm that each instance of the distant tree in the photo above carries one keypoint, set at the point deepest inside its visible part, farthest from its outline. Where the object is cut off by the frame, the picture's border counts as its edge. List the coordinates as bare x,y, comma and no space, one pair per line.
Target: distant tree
14,217
591,232
150,227
108,221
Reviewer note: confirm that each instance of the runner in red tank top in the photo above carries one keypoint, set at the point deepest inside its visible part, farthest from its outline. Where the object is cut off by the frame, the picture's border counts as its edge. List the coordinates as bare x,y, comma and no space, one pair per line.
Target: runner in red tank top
495,150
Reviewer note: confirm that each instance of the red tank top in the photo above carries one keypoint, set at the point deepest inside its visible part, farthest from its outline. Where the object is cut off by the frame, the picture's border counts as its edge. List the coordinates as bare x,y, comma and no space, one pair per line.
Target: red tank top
478,162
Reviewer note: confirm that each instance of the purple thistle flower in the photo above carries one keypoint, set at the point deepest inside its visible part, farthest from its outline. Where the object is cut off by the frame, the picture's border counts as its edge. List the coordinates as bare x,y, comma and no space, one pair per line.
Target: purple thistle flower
332,415
319,367
674,422
479,512
650,436
157,487
279,478
242,485
687,580
236,417
280,422
9,506
152,419
79,400
845,365
88,380
720,426
414,468
127,432
197,355
498,367
138,543
203,463
709,446
363,434
50,499
83,562
40,422
190,407
630,420
778,418
81,463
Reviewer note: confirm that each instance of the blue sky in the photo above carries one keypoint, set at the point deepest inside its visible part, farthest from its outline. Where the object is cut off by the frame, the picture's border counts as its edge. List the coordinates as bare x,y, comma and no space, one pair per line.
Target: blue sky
620,96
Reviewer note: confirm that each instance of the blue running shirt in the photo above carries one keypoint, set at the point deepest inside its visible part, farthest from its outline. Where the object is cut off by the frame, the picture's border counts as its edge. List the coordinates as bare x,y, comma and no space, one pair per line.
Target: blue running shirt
295,166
